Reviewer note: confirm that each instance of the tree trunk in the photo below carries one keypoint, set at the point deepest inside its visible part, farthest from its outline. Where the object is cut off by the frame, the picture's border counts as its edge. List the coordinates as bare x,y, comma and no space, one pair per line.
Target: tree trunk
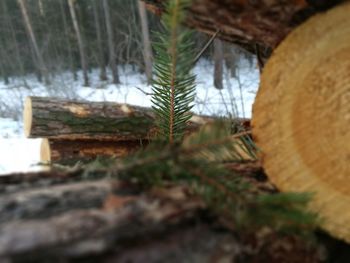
218,64
39,59
9,24
57,118
80,42
248,23
112,56
231,60
85,216
101,57
147,50
53,150
4,63
96,220
64,119
68,42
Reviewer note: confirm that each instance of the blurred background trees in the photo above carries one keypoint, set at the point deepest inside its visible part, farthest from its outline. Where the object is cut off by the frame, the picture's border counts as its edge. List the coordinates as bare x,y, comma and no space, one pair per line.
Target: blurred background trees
46,37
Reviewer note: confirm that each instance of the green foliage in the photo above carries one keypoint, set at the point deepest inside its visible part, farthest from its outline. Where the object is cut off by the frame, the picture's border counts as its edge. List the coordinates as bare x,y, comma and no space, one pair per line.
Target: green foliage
174,86
231,196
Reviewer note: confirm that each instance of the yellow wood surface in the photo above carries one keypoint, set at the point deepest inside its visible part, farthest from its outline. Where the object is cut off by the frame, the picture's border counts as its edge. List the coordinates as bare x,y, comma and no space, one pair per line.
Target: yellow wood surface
301,116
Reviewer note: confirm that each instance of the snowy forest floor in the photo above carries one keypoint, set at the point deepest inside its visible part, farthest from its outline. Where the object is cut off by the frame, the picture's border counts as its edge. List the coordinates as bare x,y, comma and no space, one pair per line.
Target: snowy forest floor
20,154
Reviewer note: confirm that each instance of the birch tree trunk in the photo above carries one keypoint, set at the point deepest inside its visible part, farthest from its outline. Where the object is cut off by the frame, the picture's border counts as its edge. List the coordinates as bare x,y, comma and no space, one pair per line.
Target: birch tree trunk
147,50
218,64
80,42
101,60
39,58
112,56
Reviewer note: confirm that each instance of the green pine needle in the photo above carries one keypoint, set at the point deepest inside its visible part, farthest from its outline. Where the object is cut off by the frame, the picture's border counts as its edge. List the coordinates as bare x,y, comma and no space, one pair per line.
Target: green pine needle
174,86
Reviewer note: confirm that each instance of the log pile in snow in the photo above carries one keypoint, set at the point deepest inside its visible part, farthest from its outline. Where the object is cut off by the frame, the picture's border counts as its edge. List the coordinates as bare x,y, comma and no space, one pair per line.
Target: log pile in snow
83,130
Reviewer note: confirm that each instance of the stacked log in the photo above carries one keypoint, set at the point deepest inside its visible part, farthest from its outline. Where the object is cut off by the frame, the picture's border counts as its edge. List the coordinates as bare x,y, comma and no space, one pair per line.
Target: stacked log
73,130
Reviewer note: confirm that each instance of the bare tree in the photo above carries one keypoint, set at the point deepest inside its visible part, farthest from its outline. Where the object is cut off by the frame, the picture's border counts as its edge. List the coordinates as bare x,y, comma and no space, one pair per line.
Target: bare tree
80,42
147,50
218,64
112,56
13,37
39,61
231,59
101,59
67,40
4,64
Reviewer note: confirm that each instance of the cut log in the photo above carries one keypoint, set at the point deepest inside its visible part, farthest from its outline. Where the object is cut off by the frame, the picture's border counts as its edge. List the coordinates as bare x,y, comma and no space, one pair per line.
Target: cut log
253,25
301,116
53,150
68,217
64,119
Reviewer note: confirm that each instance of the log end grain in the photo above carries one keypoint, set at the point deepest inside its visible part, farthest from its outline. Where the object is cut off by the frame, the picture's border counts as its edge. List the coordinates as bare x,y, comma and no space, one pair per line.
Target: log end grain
27,116
45,151
301,116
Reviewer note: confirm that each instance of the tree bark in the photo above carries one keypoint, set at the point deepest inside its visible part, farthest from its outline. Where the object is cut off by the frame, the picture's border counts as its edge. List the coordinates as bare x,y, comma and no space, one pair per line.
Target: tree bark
110,36
57,118
147,50
53,150
101,57
80,42
218,57
248,23
39,58
64,119
82,216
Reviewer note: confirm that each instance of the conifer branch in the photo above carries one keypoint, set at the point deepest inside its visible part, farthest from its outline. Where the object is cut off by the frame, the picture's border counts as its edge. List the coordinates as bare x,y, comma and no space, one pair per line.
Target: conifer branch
173,89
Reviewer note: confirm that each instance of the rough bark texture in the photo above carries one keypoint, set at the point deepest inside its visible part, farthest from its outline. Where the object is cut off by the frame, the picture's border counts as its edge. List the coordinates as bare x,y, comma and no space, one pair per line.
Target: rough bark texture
56,118
53,150
78,217
255,25
64,119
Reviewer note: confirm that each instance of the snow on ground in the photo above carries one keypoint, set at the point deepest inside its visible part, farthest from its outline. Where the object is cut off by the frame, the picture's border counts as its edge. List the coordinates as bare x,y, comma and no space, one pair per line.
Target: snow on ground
20,154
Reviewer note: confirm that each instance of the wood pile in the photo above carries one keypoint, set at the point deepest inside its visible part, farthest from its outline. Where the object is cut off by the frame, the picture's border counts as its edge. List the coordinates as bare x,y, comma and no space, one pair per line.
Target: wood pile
84,130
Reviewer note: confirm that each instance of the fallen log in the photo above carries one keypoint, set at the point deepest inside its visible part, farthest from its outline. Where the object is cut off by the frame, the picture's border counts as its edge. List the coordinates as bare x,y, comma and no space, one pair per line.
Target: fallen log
106,121
257,26
53,150
64,119
84,219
